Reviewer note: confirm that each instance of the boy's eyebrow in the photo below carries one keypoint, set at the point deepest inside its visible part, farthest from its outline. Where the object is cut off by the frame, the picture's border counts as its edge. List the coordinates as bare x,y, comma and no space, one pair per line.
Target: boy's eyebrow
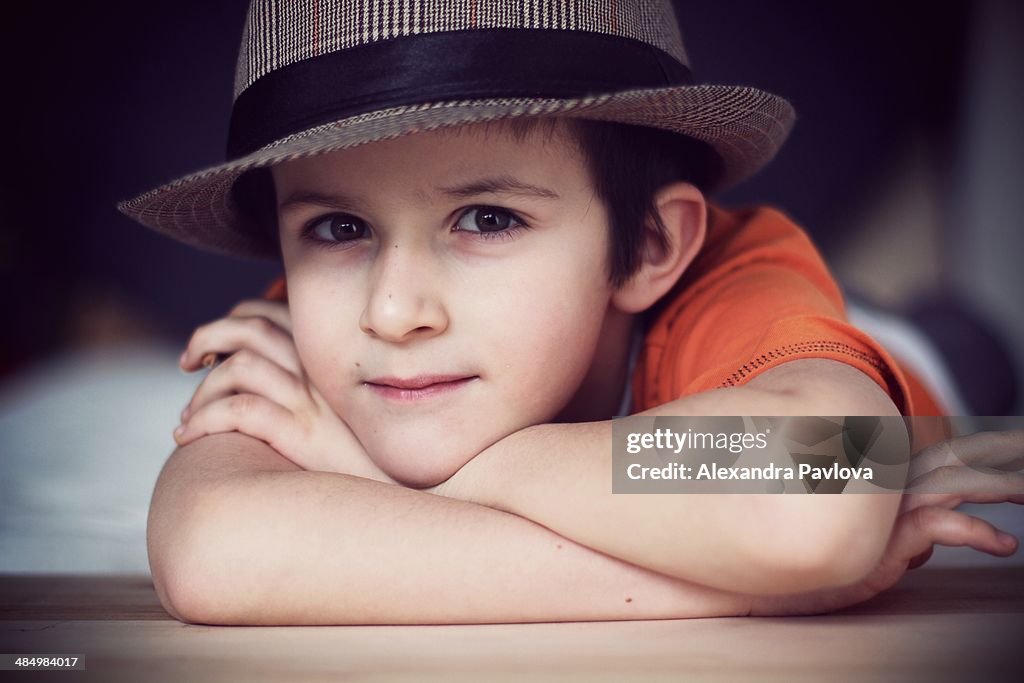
503,184
331,201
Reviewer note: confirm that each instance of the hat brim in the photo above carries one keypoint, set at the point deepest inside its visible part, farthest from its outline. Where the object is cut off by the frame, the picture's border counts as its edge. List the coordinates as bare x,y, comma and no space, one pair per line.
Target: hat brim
744,126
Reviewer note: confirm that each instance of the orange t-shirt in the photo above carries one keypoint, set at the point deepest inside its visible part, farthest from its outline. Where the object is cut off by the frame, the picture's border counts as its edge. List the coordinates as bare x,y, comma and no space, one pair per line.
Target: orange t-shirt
757,295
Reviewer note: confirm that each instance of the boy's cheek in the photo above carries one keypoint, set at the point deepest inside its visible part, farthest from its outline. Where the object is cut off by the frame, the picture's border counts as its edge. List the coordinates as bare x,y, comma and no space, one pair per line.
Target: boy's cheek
333,372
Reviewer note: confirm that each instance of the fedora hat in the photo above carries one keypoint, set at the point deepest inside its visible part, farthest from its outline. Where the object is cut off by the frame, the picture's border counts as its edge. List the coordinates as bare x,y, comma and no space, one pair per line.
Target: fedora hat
324,75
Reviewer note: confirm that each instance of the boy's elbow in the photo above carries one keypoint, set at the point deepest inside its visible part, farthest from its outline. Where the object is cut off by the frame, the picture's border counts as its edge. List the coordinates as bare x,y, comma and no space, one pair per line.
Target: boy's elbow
186,555
831,565
196,533
192,578
837,548
179,578
180,595
808,544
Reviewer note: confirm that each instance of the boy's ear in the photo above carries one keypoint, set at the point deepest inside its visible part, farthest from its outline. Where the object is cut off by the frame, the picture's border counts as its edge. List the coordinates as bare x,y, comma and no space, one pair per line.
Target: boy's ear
684,212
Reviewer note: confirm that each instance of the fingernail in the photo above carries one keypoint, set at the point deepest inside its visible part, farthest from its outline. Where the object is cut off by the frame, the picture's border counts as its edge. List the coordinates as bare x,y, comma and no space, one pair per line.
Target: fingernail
179,431
185,414
1006,539
184,357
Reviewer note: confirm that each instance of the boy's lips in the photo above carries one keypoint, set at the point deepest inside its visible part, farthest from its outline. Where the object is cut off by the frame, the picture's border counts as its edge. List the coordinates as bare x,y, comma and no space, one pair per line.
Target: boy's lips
417,388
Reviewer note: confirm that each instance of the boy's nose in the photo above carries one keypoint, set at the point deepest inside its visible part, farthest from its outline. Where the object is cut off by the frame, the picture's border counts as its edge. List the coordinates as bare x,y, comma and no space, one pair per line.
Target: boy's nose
403,301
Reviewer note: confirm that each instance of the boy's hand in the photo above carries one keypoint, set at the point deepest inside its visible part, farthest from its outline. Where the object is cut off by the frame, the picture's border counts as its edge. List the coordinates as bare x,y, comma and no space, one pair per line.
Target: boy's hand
262,390
979,468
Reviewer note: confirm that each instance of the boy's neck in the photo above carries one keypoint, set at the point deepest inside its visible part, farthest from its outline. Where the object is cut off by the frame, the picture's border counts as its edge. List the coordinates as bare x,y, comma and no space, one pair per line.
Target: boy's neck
600,394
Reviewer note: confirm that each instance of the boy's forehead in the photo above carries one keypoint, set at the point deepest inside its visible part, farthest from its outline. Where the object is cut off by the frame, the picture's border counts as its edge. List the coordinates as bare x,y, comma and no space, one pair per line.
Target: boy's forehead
452,154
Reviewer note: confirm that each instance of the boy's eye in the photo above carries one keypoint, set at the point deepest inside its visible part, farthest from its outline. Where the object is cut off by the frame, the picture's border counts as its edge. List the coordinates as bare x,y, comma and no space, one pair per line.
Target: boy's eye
486,219
338,228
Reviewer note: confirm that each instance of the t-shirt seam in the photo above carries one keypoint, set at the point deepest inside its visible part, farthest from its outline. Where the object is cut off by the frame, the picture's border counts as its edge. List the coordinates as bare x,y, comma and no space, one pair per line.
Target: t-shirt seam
821,345
779,353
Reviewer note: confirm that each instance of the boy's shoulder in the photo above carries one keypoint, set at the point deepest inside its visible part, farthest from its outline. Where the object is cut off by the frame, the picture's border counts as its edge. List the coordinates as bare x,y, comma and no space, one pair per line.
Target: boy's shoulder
758,294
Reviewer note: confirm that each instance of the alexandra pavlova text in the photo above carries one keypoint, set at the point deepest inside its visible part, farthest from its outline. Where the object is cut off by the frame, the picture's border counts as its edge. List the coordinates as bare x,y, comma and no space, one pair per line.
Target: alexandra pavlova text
769,472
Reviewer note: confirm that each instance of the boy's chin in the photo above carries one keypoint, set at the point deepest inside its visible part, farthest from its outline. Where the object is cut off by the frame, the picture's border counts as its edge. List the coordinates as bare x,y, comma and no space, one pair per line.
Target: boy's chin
420,475
421,465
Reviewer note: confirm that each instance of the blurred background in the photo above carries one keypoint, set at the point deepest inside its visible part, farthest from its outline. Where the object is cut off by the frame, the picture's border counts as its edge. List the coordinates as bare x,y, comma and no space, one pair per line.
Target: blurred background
905,166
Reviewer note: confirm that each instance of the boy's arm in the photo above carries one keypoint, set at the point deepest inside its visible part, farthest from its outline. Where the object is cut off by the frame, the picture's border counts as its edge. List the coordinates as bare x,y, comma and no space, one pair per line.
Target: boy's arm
559,475
240,535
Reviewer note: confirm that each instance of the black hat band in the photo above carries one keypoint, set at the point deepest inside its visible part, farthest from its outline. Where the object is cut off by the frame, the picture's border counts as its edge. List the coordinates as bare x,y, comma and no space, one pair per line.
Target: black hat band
437,67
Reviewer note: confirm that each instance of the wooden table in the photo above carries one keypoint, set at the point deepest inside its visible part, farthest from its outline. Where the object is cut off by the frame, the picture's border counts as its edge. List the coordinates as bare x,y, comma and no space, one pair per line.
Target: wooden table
936,625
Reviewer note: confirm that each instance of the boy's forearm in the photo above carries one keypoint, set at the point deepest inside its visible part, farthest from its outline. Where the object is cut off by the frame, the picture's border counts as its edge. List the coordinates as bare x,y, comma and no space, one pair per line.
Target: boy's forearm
239,535
559,475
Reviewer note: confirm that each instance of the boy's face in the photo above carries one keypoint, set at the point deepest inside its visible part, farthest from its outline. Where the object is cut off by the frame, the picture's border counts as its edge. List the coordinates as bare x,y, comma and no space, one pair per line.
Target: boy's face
417,266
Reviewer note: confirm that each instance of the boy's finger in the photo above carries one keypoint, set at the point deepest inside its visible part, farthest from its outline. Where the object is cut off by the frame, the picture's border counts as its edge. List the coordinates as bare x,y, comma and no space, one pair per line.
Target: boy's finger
1001,450
948,487
919,560
917,531
274,310
249,414
230,335
246,372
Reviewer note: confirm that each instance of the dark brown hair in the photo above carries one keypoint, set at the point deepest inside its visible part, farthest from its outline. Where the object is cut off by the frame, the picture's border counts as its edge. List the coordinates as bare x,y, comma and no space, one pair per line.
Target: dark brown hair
627,164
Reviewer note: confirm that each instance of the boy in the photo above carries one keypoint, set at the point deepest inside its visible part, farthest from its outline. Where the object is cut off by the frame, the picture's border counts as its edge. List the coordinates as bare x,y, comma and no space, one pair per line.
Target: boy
464,297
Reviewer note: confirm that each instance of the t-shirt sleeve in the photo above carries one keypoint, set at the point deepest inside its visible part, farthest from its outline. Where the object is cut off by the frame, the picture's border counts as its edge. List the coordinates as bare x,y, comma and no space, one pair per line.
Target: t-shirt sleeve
758,295
276,290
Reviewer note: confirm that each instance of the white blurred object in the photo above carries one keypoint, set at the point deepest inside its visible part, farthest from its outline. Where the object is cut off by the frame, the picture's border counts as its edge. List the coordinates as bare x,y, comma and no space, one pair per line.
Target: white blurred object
912,349
82,440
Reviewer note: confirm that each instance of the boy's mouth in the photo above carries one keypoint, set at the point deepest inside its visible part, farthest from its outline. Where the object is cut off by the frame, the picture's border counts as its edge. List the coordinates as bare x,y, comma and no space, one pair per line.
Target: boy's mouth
417,388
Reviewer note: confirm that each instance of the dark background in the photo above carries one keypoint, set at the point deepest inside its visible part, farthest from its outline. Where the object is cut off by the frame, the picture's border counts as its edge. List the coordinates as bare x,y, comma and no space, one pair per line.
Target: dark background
106,101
